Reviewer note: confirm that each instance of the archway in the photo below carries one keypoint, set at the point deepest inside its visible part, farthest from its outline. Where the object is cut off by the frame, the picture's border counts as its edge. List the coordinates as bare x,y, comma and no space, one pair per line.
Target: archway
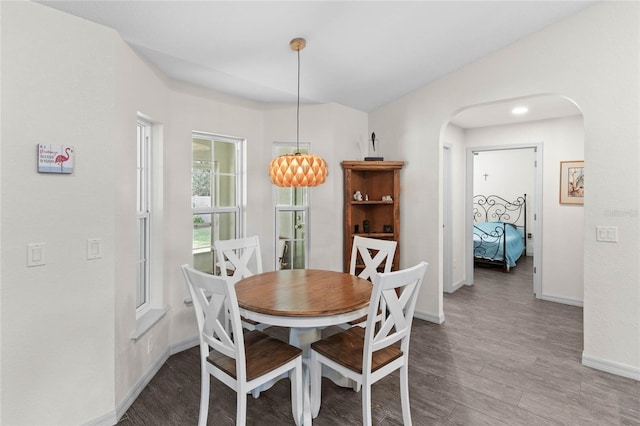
553,127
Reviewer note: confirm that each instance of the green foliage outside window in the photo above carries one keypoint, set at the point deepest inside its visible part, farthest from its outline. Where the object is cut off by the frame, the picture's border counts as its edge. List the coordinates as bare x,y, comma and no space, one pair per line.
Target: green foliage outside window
201,182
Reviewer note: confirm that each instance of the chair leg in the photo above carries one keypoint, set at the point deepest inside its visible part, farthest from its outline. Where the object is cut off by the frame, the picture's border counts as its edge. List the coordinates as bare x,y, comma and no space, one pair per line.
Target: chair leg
404,395
295,376
241,407
204,398
366,404
315,377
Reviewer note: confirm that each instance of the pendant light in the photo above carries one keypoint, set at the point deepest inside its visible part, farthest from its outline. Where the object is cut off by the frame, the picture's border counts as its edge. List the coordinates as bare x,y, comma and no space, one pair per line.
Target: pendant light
297,169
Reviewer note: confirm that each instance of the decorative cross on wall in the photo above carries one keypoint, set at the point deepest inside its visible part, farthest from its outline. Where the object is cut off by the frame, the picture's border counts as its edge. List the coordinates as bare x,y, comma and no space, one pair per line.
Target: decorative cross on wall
485,176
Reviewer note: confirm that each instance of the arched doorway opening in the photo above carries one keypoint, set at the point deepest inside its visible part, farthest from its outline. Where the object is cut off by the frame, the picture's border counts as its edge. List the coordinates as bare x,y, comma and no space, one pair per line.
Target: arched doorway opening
553,130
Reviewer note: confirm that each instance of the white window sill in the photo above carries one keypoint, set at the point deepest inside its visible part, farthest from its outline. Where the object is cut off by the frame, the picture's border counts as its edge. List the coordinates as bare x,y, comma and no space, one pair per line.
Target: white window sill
147,321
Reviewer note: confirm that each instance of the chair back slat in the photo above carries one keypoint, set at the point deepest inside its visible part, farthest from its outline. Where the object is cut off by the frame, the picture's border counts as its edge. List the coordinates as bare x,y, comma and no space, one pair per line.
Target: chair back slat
239,253
398,291
363,247
212,296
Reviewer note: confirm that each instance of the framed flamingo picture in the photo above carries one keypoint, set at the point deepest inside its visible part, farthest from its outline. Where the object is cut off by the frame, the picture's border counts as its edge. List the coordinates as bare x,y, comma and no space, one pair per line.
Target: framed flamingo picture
55,158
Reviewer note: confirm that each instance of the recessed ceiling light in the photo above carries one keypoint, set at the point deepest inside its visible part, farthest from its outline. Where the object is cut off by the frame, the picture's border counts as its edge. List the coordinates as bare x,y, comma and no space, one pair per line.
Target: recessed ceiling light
519,110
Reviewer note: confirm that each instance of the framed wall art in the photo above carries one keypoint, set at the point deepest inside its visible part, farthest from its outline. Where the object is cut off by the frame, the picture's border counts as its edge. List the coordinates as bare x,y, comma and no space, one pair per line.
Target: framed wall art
55,158
572,182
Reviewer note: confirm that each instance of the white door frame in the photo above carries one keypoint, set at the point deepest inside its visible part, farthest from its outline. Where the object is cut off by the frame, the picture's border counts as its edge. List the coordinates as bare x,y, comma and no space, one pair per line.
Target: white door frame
537,214
447,232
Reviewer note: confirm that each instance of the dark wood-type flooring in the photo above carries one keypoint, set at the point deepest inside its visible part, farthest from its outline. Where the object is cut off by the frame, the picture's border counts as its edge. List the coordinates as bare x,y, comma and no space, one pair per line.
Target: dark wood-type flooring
501,357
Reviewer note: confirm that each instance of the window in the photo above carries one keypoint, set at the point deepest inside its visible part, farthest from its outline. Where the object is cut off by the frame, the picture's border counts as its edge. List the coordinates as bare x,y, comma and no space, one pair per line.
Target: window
143,216
292,221
216,195
149,282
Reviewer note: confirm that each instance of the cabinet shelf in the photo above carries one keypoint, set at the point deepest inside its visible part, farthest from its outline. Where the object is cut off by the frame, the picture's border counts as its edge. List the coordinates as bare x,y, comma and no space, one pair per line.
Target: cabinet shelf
375,179
372,202
384,235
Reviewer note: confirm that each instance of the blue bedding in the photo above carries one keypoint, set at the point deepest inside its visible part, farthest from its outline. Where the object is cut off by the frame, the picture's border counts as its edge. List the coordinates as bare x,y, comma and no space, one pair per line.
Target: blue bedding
488,241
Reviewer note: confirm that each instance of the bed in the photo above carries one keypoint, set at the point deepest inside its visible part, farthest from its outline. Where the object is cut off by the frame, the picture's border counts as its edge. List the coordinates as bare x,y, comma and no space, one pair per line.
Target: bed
499,230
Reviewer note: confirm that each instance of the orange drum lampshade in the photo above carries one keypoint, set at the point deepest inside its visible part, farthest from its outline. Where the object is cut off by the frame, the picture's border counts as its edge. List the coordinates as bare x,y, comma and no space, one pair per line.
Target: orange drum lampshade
298,170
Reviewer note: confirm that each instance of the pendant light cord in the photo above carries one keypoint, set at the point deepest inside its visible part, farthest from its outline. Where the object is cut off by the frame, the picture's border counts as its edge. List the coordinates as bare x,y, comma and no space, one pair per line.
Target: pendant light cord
298,110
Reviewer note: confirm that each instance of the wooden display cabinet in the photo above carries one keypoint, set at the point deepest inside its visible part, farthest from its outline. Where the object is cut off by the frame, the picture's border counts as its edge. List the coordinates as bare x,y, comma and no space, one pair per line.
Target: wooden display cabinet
374,180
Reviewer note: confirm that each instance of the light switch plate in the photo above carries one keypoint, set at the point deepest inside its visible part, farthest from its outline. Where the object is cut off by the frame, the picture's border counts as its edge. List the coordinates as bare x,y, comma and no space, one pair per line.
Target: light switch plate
94,248
36,254
608,234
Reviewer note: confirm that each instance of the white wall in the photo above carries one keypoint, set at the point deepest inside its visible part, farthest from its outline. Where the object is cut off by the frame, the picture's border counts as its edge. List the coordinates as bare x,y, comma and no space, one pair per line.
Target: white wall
454,138
572,58
563,236
59,87
137,91
67,80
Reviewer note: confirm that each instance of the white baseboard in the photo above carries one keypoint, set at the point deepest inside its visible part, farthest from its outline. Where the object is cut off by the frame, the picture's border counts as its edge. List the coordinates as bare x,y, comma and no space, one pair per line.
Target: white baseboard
438,319
456,286
184,345
611,367
560,299
134,392
112,417
108,419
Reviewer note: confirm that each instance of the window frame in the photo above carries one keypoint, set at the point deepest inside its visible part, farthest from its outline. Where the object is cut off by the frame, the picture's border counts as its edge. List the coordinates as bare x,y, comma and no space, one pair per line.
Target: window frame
239,208
144,203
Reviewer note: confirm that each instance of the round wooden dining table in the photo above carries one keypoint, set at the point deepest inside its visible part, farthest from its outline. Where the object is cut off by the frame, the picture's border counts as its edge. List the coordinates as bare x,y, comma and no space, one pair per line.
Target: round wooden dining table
305,301
303,297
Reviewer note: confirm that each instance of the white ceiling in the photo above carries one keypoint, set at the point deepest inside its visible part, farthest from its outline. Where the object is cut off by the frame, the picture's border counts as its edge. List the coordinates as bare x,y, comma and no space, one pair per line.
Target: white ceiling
362,54
494,114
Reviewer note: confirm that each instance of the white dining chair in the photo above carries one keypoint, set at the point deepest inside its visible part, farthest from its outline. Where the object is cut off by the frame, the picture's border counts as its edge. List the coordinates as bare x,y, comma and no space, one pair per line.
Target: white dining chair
239,255
243,257
241,360
363,264
366,355
367,255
